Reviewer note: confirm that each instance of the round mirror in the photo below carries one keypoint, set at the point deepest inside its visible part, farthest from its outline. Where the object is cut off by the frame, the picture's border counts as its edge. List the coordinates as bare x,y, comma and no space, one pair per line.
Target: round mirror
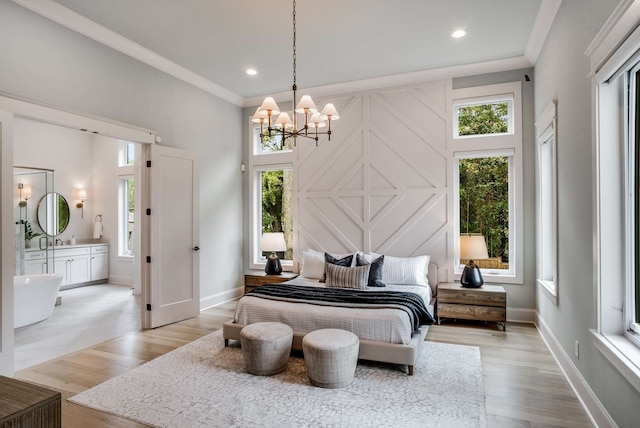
53,213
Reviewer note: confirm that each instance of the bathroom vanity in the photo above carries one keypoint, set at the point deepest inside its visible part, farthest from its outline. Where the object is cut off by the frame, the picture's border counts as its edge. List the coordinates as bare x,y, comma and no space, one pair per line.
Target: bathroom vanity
79,264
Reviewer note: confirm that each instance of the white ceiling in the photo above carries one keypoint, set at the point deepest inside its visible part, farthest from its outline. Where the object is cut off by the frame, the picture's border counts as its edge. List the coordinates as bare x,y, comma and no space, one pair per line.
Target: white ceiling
212,42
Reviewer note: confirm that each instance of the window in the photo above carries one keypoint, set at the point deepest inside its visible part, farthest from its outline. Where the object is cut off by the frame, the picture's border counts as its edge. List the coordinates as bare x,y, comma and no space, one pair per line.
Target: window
484,206
483,116
487,178
126,201
617,196
547,217
271,190
126,192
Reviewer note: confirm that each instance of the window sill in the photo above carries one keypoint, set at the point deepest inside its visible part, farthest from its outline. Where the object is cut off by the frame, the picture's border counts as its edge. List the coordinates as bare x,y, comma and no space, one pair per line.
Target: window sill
123,258
549,289
620,352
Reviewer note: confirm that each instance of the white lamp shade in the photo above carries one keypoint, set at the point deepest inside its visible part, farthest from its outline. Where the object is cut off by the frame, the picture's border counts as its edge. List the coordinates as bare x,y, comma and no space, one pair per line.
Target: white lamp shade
306,103
26,191
82,194
473,247
283,119
269,106
273,242
316,122
259,116
329,112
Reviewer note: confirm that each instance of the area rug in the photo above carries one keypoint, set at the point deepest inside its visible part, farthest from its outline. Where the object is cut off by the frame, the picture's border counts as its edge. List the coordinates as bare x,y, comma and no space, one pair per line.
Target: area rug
204,384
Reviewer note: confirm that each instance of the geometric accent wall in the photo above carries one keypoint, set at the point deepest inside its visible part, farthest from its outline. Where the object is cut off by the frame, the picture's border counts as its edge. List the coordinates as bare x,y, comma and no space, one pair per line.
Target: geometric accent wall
380,184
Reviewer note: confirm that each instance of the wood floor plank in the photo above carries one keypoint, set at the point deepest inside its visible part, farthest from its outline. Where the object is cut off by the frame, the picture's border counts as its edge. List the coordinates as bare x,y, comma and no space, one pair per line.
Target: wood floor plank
524,387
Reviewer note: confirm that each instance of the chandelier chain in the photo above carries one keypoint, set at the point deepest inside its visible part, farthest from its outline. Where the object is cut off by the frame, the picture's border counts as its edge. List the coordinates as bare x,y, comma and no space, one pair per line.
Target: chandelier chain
294,43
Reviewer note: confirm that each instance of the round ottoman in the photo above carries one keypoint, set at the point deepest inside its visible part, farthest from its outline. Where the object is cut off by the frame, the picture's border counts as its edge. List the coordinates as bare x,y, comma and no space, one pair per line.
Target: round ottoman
266,347
331,356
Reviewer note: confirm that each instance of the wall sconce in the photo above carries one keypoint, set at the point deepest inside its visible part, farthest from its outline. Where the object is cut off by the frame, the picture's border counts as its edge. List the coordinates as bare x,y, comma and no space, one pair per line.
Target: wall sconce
25,194
273,242
82,195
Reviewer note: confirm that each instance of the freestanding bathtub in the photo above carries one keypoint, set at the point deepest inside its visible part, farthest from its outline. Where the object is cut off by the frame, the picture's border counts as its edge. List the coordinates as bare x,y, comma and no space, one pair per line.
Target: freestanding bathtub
34,297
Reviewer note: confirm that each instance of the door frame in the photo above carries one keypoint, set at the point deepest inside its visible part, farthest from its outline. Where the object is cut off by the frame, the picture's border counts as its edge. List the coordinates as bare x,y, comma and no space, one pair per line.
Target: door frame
29,109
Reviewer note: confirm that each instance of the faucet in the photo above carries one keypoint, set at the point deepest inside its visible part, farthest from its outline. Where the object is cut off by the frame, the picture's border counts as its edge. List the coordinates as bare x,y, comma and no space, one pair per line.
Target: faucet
58,241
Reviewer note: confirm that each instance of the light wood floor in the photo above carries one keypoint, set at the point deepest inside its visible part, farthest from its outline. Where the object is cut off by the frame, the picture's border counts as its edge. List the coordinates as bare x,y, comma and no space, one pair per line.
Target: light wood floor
524,386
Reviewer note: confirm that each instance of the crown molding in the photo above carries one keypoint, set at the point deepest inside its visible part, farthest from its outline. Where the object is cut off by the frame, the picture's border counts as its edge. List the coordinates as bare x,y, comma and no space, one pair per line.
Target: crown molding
544,20
72,20
401,79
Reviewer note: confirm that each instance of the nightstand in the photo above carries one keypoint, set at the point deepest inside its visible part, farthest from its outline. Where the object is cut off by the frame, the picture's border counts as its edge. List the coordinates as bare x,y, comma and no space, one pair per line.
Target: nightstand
256,278
487,303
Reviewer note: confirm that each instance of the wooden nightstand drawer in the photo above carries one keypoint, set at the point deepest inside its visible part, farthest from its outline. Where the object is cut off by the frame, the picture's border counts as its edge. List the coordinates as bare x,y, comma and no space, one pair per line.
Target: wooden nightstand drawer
472,312
487,303
472,296
259,278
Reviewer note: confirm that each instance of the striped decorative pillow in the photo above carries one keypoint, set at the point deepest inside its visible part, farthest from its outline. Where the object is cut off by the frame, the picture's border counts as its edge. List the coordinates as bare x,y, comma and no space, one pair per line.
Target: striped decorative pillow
347,277
405,270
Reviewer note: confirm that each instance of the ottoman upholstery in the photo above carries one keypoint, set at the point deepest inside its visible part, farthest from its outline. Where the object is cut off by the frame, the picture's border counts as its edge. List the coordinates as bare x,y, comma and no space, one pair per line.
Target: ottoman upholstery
331,356
266,347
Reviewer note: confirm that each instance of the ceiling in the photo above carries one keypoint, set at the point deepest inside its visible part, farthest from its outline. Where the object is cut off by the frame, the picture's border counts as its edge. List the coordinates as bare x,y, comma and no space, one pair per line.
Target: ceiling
212,42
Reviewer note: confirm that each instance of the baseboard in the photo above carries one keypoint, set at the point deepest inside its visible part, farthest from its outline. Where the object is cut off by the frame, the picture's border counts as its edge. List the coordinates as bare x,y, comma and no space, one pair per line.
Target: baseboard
594,408
522,315
217,299
121,279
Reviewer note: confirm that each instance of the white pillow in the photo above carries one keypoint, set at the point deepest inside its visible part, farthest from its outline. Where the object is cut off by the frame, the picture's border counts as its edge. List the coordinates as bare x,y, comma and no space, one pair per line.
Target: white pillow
405,270
347,277
313,263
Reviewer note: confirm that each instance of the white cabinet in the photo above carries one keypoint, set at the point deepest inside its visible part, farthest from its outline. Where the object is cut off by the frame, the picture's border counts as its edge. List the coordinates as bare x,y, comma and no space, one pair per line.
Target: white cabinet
99,262
35,262
78,264
74,264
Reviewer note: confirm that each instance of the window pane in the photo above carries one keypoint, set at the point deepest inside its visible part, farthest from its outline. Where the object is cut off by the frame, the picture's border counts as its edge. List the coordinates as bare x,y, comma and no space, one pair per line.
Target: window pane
130,154
127,215
270,144
483,119
277,205
130,215
484,206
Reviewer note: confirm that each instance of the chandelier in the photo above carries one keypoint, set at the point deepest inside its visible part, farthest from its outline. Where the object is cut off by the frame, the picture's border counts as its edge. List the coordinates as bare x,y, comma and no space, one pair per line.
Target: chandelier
287,126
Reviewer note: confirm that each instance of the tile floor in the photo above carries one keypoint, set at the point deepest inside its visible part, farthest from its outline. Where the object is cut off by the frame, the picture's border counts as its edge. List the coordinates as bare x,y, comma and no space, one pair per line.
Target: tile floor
87,316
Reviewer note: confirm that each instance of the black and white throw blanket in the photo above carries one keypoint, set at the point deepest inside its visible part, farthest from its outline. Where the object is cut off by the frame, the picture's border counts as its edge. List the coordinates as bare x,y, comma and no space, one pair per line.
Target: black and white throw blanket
411,303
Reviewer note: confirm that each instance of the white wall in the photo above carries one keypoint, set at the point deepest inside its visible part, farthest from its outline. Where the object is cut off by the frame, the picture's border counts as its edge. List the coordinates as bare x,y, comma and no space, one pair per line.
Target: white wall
561,73
70,154
51,64
382,183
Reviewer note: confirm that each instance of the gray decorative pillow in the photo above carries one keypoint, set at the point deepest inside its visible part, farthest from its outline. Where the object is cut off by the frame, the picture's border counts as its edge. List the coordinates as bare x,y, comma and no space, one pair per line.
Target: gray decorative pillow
375,273
347,277
329,259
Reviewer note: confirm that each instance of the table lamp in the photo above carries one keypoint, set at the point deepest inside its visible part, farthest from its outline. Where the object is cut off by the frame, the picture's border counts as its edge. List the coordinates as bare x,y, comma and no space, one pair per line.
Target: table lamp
273,242
472,247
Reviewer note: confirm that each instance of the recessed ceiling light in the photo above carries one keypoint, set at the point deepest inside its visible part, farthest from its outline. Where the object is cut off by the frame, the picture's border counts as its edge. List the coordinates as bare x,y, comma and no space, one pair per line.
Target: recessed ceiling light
251,72
458,33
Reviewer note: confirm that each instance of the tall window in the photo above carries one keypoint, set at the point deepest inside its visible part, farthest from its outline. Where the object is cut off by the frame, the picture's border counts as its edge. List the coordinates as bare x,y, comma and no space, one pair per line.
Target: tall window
484,206
126,193
126,215
547,218
487,178
271,189
617,195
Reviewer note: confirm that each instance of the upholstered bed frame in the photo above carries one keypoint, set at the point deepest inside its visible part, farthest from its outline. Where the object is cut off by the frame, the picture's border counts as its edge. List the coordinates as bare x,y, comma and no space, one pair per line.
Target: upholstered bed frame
369,350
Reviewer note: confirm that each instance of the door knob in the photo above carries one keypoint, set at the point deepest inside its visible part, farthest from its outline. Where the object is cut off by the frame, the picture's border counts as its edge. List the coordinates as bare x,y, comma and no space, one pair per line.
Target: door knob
196,248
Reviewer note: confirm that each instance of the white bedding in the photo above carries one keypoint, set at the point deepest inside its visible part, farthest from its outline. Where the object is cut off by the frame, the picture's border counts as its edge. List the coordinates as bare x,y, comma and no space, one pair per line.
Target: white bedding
383,325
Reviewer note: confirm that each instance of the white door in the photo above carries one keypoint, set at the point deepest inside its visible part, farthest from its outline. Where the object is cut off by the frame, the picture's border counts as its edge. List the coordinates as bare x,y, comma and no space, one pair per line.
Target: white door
172,258
7,239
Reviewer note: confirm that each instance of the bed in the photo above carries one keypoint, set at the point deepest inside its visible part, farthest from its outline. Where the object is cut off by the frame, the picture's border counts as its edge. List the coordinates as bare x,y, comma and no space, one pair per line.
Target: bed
387,334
